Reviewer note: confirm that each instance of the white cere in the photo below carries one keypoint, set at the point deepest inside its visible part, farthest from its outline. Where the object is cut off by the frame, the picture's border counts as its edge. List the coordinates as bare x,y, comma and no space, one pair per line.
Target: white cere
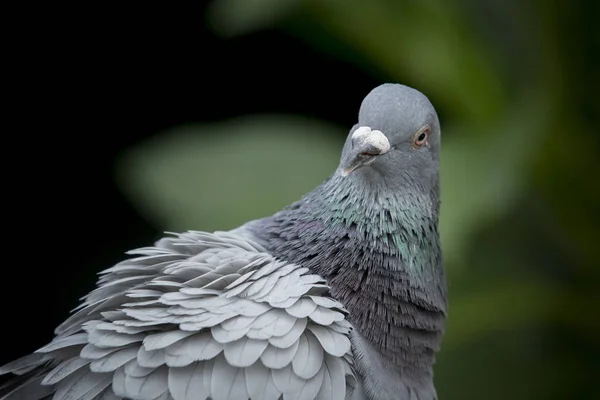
375,138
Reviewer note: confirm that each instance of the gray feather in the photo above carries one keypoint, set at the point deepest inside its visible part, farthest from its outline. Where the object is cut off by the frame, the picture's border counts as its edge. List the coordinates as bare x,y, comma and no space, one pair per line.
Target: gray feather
95,389
309,358
80,383
244,352
146,387
257,286
276,358
108,394
309,389
63,370
280,326
59,343
324,316
107,339
266,319
199,347
161,340
259,383
133,368
285,303
23,363
302,308
326,302
333,372
186,383
291,336
333,343
223,336
29,389
286,381
114,360
238,323
227,382
237,289
150,359
153,348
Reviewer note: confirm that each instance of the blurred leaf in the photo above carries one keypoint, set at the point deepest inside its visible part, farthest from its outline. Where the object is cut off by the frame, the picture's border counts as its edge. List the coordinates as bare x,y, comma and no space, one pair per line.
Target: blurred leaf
483,173
514,306
235,171
430,42
237,17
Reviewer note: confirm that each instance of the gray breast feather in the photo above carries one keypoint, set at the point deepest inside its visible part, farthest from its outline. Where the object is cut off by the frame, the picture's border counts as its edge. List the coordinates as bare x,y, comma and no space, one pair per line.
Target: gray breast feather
198,316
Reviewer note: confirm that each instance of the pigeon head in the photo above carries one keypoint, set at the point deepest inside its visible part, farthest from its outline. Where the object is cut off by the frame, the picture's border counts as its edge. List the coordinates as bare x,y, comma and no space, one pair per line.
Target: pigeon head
397,137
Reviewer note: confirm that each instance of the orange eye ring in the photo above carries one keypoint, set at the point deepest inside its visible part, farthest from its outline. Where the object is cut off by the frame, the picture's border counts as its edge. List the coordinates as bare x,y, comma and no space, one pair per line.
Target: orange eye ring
421,137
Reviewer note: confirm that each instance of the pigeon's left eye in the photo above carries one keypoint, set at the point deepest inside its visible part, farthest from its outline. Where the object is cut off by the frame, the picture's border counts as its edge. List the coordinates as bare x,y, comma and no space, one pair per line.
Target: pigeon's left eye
421,137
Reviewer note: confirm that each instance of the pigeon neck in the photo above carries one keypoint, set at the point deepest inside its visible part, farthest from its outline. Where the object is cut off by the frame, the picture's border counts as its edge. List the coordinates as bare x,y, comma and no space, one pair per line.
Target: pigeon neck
380,253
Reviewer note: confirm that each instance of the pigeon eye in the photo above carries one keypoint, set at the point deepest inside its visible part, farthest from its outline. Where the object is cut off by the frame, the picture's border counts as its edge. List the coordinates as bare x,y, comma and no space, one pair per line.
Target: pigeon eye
421,137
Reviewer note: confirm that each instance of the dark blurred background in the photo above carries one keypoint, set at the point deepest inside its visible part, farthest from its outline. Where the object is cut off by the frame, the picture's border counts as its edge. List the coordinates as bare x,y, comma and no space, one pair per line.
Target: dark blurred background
122,122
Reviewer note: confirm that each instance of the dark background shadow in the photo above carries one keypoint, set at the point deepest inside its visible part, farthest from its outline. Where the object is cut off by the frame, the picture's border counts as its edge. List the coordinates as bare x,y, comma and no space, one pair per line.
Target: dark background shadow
91,85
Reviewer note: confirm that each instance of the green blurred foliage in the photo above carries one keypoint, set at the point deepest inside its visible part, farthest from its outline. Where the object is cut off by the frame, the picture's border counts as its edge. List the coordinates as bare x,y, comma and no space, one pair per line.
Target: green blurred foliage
515,85
174,180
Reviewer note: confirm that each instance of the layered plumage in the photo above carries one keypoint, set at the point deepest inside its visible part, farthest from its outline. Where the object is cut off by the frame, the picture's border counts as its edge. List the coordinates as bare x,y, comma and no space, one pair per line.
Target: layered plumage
339,296
199,315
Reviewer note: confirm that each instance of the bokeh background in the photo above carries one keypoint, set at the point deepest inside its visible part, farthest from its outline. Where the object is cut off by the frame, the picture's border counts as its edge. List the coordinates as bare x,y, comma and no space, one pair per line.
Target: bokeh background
127,121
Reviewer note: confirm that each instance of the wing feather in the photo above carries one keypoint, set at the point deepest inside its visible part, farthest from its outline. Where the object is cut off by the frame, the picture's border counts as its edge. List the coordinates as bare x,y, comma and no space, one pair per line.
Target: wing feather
64,369
186,383
244,352
276,358
198,316
259,383
309,358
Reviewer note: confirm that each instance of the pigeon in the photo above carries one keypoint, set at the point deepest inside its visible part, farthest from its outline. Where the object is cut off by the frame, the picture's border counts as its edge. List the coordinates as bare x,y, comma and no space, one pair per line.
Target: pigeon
340,295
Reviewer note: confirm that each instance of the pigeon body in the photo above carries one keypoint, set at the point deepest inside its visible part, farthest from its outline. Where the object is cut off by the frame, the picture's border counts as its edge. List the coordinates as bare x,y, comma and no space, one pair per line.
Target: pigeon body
341,295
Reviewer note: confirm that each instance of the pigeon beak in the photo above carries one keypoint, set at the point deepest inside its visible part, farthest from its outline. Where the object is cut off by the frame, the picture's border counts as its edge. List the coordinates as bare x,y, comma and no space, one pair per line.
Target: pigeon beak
366,145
